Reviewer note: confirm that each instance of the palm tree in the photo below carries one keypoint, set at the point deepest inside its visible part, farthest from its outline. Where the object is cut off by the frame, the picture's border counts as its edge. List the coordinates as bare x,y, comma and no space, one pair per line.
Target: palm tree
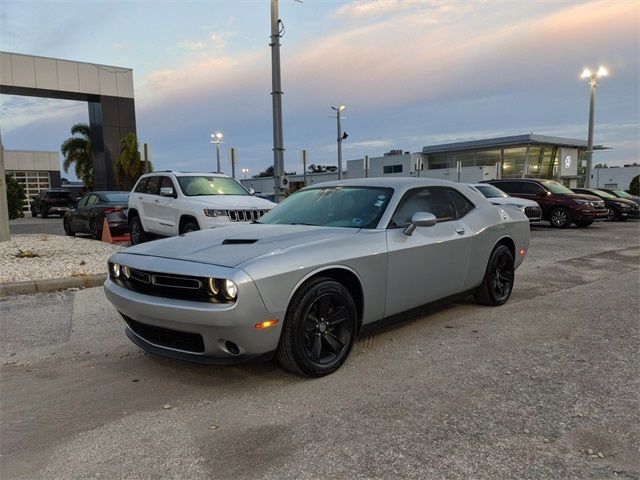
128,167
77,149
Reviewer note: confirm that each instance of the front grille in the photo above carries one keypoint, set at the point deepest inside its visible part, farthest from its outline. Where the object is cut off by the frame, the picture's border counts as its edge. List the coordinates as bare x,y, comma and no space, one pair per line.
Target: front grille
167,285
165,337
245,215
532,211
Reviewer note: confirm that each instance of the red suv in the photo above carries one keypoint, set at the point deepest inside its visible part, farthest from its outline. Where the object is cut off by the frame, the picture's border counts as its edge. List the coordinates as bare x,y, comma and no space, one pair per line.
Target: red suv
560,206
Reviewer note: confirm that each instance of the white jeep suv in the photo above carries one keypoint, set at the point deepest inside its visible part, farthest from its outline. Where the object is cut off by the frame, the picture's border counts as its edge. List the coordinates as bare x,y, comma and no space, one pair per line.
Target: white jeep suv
172,203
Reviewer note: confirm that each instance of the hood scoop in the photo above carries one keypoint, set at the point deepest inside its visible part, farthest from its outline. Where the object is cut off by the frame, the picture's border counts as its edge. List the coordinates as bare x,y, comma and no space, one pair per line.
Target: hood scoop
238,241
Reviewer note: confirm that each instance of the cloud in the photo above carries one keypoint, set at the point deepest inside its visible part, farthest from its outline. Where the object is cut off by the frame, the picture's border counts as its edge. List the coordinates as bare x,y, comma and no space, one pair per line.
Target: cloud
121,46
195,45
364,9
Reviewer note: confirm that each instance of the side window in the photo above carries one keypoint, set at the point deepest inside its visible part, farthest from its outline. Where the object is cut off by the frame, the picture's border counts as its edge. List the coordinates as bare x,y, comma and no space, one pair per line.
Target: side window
83,201
93,199
153,186
141,187
166,182
509,187
433,200
460,202
530,188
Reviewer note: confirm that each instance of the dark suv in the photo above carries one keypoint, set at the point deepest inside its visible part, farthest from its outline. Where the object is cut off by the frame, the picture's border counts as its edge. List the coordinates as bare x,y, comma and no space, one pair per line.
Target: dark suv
560,206
55,201
618,208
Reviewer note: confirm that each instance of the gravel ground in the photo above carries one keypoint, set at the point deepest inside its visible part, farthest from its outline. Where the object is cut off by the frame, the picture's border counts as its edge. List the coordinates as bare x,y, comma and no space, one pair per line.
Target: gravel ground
56,257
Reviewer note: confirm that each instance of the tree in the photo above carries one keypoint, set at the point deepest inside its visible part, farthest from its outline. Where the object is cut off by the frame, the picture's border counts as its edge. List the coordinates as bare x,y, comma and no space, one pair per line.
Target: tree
268,172
15,198
79,151
321,168
129,166
634,186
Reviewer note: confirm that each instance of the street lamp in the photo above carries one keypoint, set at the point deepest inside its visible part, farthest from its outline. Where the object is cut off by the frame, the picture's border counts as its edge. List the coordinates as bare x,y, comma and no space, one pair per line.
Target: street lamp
592,76
245,171
217,139
341,137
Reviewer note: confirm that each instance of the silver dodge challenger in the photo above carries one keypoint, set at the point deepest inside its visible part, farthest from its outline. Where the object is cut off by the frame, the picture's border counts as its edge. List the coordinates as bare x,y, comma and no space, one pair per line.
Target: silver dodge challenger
301,280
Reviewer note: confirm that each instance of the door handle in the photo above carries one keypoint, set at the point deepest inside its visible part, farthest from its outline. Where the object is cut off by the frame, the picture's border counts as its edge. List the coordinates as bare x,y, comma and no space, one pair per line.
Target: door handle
459,230
156,200
139,198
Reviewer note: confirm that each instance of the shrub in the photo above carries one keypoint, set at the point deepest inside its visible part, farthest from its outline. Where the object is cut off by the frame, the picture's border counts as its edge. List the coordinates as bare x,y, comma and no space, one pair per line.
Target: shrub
15,198
634,186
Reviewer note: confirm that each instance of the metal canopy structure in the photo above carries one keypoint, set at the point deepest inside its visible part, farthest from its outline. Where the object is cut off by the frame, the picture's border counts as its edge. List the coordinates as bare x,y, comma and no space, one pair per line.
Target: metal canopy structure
108,90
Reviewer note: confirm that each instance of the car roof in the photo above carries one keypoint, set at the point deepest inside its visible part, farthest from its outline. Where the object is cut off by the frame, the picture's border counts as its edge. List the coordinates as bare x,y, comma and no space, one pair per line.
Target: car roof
187,174
394,182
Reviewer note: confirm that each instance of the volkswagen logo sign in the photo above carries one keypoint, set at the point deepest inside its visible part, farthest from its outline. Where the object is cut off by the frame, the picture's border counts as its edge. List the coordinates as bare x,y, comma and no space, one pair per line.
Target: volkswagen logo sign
567,161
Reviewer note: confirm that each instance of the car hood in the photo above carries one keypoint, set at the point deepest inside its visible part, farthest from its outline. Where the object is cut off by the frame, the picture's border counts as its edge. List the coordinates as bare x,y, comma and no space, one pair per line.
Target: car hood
231,202
233,245
581,196
513,201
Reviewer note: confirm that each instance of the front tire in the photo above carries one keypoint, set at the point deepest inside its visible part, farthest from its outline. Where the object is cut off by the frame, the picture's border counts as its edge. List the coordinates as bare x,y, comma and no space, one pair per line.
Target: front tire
560,218
319,329
611,215
189,226
44,213
96,233
138,235
497,284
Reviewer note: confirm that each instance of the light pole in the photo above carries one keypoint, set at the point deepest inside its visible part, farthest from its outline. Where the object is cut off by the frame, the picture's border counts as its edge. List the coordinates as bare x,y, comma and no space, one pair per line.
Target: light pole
276,98
245,171
592,76
340,138
217,139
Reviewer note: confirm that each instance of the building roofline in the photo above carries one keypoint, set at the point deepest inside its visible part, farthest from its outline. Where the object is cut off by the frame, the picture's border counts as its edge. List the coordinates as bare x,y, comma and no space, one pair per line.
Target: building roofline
513,140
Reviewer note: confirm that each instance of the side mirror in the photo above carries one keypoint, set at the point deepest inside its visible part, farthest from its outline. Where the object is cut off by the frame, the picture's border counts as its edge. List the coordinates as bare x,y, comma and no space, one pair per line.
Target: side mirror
167,192
252,191
420,219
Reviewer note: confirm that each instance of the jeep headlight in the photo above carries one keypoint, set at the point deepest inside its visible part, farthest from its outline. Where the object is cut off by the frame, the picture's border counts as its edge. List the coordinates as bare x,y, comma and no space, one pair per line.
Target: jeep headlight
213,212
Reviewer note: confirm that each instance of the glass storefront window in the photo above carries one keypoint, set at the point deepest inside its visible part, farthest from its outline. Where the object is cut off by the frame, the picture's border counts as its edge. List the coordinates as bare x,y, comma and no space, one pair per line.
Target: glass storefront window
438,160
487,158
467,159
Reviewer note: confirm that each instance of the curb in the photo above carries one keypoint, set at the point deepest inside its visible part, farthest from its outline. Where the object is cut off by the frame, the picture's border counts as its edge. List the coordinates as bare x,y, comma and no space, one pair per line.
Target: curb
51,284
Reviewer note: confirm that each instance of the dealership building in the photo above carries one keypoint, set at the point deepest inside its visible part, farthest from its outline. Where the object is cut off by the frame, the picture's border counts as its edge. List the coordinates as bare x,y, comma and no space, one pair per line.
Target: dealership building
517,156
34,170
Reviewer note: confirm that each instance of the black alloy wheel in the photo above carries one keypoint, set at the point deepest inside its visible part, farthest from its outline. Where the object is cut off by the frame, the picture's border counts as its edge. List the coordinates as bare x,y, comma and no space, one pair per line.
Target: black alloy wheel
319,330
611,214
67,228
497,284
190,226
560,218
136,231
95,231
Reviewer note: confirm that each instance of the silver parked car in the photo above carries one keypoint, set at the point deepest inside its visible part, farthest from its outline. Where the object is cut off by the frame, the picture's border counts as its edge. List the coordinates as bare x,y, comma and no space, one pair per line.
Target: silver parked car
302,280
496,196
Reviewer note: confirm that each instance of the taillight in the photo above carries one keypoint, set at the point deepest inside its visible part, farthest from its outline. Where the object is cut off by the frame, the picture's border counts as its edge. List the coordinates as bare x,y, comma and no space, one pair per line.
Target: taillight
113,210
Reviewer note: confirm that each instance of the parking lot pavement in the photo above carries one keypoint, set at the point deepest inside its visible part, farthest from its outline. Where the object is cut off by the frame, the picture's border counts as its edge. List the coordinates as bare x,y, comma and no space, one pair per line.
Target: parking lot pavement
543,387
29,224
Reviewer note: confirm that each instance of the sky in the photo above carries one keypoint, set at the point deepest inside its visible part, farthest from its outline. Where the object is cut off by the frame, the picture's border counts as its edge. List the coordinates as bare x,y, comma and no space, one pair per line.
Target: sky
410,72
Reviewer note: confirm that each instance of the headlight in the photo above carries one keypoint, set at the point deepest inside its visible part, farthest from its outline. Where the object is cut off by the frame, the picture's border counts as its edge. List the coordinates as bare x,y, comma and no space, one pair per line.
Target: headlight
517,207
582,202
229,289
213,286
126,272
115,270
211,212
623,205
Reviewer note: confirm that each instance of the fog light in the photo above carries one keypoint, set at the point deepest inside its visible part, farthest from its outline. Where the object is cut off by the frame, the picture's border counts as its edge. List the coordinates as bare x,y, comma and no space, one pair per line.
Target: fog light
229,289
212,287
115,270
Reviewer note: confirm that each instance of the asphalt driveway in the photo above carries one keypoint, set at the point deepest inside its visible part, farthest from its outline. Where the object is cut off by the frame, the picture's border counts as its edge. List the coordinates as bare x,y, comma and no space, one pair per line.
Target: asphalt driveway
543,387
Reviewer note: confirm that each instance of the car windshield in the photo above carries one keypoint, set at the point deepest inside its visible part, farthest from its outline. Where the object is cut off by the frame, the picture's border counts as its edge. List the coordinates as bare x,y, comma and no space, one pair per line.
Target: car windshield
622,194
555,187
489,191
194,185
117,197
603,194
352,207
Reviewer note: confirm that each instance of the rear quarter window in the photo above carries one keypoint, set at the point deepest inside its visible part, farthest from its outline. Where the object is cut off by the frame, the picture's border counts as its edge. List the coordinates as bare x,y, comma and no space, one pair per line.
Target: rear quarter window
141,187
461,203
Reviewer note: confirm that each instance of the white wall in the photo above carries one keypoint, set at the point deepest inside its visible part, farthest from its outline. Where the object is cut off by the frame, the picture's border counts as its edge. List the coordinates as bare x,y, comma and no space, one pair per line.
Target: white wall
23,160
616,177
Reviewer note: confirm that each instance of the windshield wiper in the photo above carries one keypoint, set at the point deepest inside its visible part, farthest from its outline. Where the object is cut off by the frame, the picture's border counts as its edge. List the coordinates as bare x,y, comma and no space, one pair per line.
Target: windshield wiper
302,223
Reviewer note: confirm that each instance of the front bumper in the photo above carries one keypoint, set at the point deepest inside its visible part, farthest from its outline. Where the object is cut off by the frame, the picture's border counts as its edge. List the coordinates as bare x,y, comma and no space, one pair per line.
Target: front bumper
194,330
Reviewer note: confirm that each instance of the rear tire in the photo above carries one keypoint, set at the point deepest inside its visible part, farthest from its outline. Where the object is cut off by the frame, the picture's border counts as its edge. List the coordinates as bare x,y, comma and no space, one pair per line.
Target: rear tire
44,214
319,329
560,218
96,233
497,284
138,235
67,229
